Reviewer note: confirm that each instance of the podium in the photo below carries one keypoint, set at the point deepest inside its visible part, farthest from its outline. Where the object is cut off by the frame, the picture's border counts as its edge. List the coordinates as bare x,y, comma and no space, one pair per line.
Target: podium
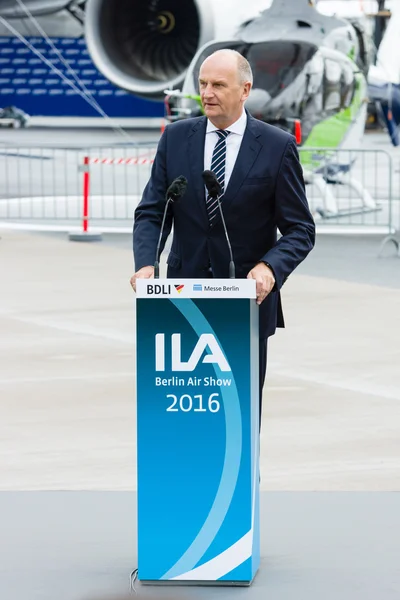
197,431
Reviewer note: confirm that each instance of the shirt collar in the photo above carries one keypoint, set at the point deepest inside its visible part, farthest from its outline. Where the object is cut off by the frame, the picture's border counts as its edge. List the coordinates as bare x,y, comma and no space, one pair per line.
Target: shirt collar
238,127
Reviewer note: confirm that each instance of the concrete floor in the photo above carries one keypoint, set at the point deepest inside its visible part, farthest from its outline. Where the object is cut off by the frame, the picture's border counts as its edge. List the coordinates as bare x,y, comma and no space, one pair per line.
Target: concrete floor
81,546
331,421
332,401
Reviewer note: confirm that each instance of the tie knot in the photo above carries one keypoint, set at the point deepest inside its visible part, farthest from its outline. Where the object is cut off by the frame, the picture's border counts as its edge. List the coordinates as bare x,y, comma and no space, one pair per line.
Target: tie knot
222,133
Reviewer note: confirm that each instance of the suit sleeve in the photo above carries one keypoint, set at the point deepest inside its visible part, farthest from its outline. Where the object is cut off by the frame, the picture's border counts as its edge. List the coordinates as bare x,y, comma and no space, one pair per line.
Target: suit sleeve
292,216
149,212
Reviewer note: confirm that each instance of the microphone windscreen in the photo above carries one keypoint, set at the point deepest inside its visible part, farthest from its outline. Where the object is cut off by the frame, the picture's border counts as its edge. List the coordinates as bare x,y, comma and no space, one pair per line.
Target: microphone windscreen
177,188
212,184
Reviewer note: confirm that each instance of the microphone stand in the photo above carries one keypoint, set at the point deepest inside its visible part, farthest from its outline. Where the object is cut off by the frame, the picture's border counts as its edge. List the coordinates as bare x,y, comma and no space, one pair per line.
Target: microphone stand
232,274
156,262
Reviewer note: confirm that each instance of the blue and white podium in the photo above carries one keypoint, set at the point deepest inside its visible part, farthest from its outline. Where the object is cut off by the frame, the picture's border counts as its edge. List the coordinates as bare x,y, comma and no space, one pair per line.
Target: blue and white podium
197,431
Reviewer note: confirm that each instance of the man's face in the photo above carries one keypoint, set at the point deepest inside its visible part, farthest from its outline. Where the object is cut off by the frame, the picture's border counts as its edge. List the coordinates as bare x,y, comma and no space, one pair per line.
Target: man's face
221,92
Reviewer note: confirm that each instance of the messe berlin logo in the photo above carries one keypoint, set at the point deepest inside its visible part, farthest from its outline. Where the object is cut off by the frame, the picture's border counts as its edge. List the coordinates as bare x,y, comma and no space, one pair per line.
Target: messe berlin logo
197,287
179,288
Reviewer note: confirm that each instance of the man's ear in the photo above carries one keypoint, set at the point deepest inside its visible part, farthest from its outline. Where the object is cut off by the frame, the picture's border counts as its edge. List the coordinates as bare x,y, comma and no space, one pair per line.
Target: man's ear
246,91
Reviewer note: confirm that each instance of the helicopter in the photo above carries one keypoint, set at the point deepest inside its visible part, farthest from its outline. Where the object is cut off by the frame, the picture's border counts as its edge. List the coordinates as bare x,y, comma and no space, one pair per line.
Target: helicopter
310,74
311,78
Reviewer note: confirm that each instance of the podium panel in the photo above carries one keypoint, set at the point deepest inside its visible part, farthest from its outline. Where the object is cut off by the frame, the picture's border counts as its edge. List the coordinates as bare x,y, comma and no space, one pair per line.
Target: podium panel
197,431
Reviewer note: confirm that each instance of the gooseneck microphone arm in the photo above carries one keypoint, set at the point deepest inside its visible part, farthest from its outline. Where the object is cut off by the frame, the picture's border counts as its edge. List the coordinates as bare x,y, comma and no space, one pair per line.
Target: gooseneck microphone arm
214,189
157,261
232,273
174,194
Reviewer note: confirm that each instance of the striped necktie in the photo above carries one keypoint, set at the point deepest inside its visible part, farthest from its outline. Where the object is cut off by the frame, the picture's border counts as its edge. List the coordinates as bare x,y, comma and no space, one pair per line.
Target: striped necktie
218,167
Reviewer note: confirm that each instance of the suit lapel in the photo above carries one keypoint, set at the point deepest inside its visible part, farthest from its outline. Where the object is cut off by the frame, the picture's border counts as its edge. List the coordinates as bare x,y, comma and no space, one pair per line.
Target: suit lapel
248,152
196,159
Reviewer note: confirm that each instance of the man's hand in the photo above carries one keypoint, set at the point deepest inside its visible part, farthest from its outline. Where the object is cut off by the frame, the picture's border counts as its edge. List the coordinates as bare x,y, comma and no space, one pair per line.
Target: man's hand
265,280
143,273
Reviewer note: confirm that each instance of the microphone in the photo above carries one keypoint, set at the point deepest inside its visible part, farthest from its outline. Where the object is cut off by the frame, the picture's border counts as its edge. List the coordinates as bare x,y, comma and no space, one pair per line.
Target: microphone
215,191
174,194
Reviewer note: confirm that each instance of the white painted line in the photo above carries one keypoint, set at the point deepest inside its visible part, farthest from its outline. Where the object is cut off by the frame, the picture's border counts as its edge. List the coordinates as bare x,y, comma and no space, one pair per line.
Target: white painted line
85,377
283,388
329,467
321,229
61,228
78,329
333,380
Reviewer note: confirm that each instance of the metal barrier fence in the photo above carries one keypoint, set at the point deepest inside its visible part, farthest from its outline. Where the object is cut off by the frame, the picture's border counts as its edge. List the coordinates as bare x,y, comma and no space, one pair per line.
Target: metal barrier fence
101,186
50,185
351,188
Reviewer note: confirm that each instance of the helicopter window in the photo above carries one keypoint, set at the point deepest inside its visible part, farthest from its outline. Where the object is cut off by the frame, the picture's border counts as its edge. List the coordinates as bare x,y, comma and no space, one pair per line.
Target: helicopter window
347,74
347,85
333,75
277,64
332,100
333,71
315,74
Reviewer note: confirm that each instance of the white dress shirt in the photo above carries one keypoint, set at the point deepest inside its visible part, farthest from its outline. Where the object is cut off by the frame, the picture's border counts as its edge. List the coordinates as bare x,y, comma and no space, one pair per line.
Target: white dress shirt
233,142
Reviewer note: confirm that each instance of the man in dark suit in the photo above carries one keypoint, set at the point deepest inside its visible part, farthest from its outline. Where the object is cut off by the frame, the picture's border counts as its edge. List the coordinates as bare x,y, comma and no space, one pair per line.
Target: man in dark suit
261,176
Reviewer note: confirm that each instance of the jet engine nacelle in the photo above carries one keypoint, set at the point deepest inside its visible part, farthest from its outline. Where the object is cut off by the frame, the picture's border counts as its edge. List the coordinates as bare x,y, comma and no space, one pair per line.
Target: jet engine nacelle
145,46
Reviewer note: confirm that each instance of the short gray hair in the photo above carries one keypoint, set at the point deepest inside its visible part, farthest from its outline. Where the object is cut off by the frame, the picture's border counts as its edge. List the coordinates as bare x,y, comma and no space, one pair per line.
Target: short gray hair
244,68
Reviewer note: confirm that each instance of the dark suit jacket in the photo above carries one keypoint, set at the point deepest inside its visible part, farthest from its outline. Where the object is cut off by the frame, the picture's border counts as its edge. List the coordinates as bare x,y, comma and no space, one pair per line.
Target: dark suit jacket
266,192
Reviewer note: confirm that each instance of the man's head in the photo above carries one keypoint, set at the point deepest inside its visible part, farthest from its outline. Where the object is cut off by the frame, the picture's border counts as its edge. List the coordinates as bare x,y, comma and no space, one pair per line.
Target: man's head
225,81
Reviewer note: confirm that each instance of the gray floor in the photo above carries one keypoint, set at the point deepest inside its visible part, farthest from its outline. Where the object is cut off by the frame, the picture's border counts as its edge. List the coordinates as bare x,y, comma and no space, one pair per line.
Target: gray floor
354,259
81,546
341,257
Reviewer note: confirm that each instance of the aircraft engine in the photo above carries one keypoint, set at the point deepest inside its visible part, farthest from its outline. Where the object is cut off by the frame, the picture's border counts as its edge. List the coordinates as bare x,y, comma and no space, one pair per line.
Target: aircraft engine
146,46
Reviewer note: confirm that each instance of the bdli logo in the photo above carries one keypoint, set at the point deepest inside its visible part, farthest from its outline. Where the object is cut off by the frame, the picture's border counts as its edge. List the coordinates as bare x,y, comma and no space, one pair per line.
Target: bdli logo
179,288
